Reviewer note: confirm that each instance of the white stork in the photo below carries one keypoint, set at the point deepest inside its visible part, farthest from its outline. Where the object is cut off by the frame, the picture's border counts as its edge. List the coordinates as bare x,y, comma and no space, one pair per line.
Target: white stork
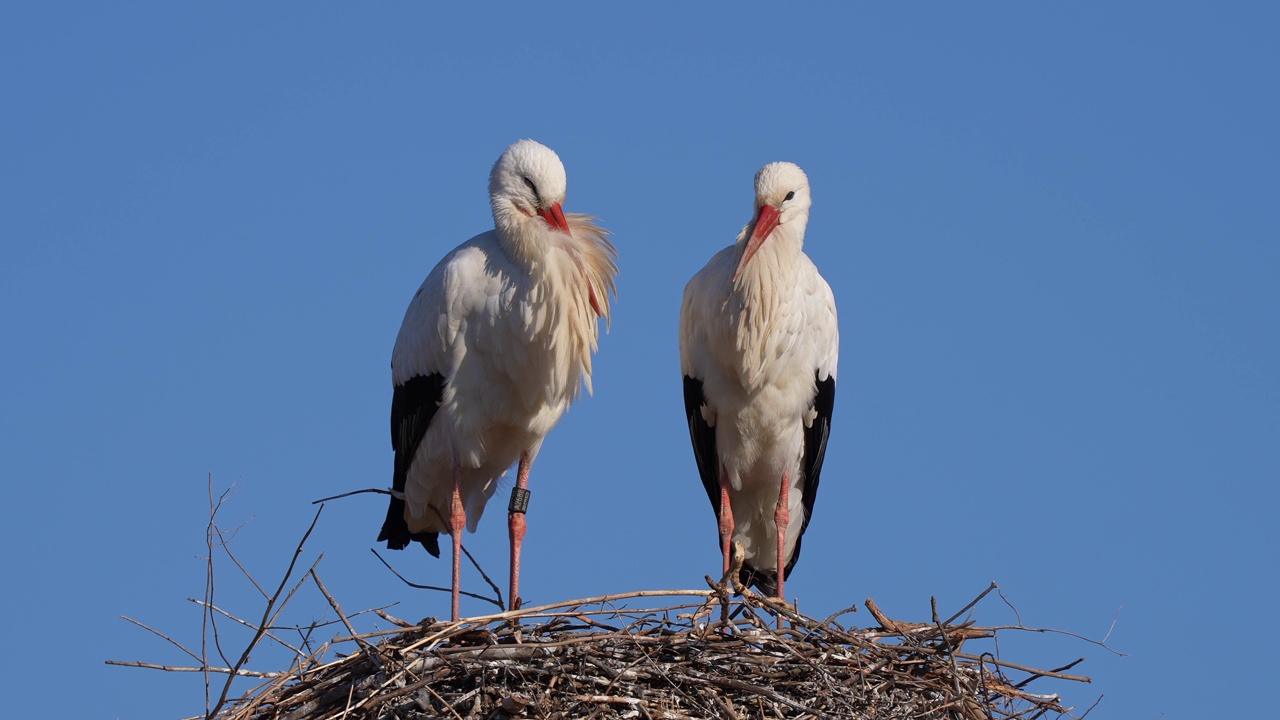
494,347
758,348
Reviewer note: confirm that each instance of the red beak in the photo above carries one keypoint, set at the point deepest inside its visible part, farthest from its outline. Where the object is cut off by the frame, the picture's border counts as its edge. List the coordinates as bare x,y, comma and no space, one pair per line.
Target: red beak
766,221
555,218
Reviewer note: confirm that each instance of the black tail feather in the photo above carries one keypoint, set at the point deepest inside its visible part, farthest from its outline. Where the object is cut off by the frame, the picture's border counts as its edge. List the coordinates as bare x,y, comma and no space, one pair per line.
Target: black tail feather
396,531
763,580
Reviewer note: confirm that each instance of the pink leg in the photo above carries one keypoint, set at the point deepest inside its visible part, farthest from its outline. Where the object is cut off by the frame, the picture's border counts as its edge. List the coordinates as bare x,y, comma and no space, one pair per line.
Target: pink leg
780,518
516,526
457,521
726,520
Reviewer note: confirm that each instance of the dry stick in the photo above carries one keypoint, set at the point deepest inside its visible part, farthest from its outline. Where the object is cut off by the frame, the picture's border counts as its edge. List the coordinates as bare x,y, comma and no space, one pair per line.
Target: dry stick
946,643
1091,707
351,693
975,601
175,643
1024,668
243,622
266,615
476,565
226,548
1100,643
1016,614
1068,666
662,672
391,618
258,695
1068,633
764,692
208,620
431,587
788,644
374,697
338,609
426,684
1115,619
380,491
450,627
202,668
308,629
831,619
1003,688
880,617
306,645
727,707
208,593
293,591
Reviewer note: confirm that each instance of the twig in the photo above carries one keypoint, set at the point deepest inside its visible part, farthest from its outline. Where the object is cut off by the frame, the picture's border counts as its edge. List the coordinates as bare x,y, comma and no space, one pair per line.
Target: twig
972,603
226,548
280,606
432,587
202,668
1037,674
175,643
1091,707
946,644
1024,668
205,616
1016,614
241,621
496,592
380,491
266,615
338,609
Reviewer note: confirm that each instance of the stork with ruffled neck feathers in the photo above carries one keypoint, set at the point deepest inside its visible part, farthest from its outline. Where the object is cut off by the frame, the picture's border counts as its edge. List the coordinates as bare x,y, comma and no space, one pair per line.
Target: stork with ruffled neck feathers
494,347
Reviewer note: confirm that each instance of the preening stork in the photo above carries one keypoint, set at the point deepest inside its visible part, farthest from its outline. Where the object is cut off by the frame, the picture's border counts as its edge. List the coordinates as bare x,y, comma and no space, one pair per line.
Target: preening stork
758,349
494,347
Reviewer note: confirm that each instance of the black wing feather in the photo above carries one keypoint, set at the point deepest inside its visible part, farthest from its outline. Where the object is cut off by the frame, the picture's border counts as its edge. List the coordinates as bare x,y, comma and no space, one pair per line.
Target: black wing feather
703,437
413,404
815,450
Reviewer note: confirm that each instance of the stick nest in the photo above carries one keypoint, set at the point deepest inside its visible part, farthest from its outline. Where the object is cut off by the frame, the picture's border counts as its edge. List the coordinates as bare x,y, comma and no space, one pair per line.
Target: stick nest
711,656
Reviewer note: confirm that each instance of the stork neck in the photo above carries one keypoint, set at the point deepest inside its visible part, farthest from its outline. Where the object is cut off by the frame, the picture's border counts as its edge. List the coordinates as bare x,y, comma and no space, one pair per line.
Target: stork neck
777,257
524,240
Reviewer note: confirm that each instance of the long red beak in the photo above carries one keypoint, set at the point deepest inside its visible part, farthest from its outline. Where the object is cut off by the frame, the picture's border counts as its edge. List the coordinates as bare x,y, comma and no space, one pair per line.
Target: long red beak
555,218
766,221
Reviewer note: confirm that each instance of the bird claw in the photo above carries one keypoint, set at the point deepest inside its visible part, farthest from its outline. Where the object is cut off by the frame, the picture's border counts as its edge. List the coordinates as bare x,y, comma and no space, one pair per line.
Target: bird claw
737,556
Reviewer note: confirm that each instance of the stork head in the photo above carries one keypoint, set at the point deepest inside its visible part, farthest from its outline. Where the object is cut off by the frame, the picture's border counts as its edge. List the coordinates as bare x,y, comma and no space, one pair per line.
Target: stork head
782,200
526,186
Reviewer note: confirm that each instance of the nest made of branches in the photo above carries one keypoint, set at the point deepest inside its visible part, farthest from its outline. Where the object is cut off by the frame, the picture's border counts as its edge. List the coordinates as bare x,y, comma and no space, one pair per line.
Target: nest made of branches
708,656
700,654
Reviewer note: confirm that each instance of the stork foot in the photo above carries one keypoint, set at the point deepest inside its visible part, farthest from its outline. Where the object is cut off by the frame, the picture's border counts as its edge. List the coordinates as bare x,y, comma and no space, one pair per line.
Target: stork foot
732,578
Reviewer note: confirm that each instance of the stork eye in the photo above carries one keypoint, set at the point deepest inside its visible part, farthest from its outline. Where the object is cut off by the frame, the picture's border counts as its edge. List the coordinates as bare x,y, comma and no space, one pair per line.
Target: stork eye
532,188
537,198
789,196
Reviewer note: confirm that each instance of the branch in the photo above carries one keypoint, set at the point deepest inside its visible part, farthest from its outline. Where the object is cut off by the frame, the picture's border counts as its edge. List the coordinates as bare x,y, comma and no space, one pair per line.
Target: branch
203,668
266,615
380,491
432,587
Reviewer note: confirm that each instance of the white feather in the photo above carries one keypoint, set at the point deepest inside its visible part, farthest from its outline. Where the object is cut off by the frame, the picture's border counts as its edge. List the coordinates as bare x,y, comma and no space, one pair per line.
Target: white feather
756,345
506,319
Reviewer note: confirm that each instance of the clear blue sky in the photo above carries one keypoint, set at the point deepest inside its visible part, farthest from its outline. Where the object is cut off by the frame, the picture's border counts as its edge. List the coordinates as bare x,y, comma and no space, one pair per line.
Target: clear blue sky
1053,233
